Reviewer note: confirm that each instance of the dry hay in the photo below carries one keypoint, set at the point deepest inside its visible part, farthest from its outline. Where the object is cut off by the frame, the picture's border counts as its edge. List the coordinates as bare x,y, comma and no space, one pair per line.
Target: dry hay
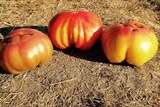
77,78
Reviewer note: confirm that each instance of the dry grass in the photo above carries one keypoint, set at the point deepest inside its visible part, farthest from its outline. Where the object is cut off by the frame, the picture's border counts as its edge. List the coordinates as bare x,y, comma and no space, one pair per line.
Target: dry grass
76,78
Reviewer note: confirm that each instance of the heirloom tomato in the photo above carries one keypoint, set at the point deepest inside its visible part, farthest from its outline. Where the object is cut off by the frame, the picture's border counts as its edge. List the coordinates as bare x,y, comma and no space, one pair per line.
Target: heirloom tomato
80,29
133,42
23,49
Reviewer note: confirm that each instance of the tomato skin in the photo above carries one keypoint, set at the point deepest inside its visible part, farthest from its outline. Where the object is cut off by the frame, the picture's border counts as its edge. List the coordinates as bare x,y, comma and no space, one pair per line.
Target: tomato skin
24,49
133,42
81,29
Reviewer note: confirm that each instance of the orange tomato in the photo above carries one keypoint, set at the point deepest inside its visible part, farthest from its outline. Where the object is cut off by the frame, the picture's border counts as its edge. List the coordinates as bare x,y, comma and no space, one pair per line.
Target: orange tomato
80,28
133,42
23,49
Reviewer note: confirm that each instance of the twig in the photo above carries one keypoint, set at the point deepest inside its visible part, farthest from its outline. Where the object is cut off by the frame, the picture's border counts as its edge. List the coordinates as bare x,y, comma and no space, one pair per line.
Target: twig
64,81
59,3
1,36
9,24
6,23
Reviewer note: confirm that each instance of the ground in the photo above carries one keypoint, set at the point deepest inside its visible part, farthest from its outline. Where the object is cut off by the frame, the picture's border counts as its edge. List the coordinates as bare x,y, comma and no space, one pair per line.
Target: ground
75,78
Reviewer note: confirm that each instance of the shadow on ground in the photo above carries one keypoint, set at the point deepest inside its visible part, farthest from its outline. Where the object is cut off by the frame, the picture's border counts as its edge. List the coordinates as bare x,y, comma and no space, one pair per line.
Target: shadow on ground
5,30
3,71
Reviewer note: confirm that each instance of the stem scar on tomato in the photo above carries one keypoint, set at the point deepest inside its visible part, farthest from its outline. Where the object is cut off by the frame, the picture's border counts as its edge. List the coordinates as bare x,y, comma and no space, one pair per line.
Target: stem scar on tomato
132,29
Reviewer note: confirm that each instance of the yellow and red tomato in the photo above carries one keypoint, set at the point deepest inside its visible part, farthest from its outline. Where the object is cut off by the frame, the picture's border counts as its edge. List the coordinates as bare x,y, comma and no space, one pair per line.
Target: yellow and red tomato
23,49
80,28
133,42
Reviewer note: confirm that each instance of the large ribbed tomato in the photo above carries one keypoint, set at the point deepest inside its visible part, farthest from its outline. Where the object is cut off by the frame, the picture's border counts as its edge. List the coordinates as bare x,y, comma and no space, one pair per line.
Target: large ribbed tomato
133,42
23,49
80,28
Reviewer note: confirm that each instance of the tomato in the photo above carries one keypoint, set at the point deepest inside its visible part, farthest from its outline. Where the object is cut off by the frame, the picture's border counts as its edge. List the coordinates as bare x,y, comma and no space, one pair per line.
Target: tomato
133,42
24,49
81,29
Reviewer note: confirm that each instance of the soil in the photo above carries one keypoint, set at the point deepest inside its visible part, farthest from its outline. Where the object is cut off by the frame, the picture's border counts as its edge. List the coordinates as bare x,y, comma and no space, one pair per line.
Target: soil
75,78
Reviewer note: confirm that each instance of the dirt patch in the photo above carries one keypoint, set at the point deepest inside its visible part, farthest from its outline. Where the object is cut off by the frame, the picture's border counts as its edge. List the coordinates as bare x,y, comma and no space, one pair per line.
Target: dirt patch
81,78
